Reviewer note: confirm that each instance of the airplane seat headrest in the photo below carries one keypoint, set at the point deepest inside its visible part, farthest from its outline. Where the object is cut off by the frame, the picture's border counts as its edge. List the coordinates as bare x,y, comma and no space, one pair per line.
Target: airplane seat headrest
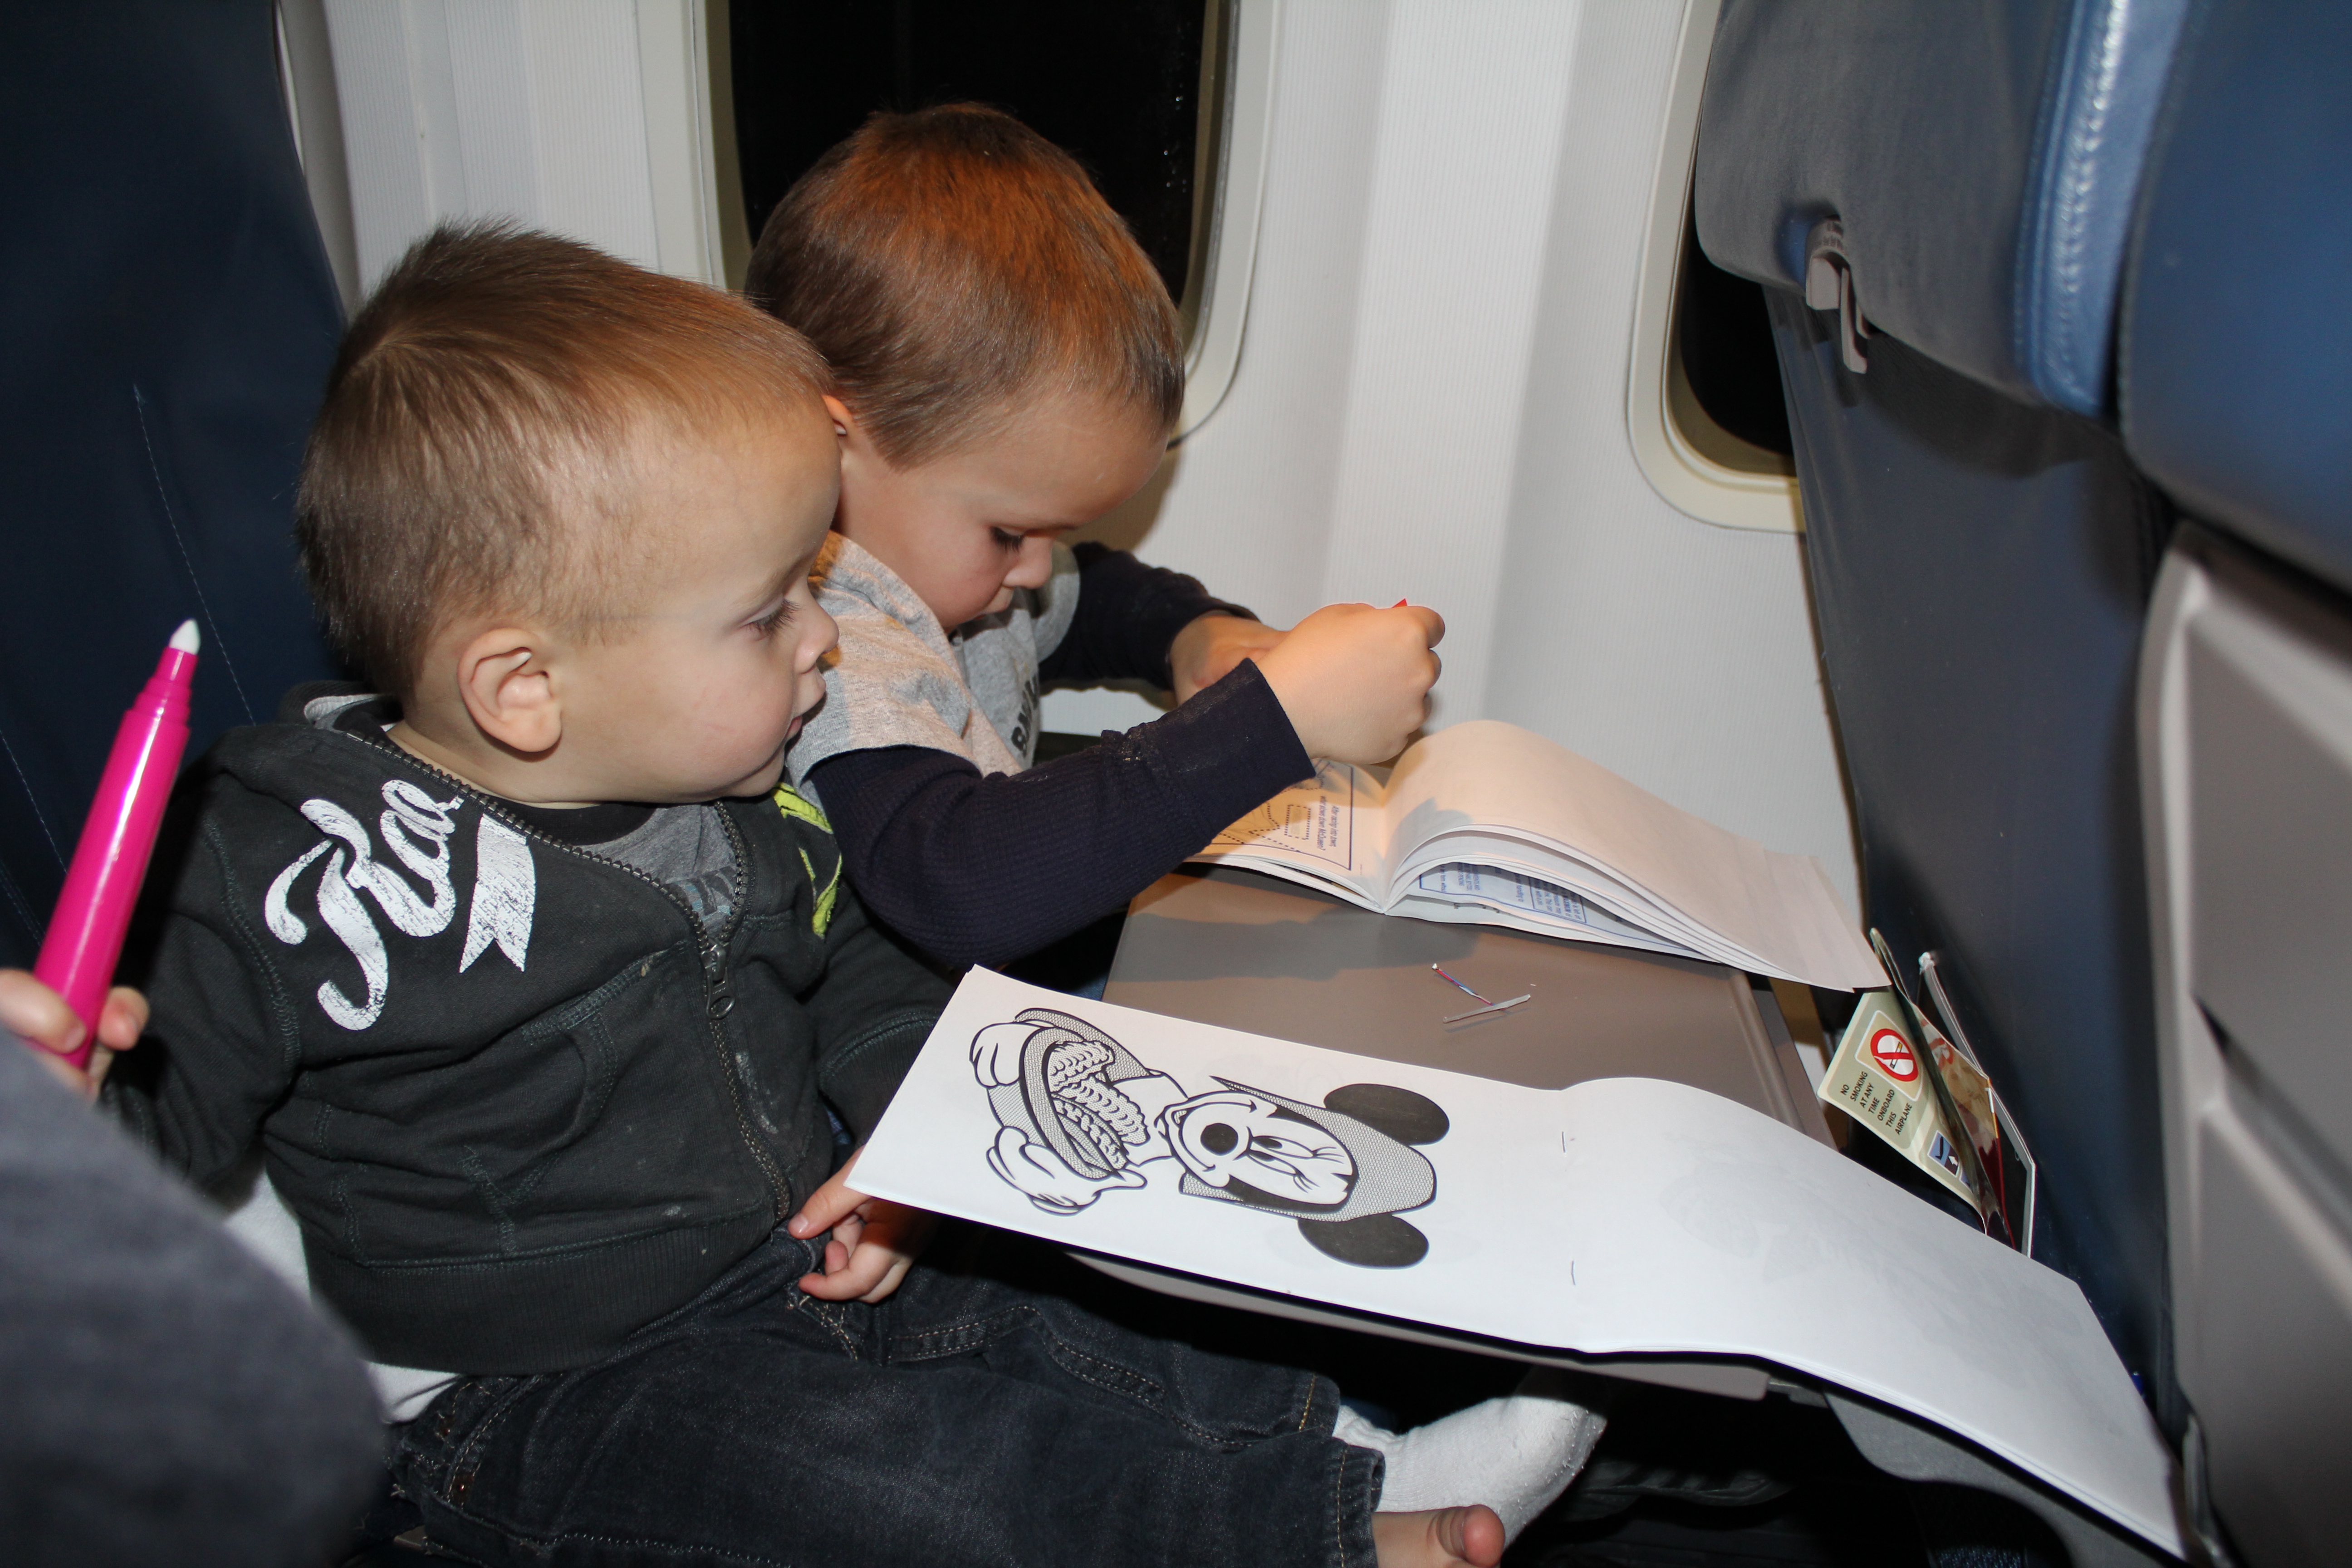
1972,167
2235,359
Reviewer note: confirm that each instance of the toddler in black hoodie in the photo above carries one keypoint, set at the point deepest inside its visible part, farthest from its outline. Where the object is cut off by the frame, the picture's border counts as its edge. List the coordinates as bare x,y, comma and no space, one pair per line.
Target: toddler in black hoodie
544,999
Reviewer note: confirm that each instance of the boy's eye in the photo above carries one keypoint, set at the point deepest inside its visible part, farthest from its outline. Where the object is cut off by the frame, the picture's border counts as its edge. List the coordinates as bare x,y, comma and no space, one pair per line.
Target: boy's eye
766,624
1009,540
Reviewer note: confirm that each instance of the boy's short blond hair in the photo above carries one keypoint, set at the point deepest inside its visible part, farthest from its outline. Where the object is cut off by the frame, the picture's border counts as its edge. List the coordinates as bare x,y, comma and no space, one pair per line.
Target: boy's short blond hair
951,263
485,410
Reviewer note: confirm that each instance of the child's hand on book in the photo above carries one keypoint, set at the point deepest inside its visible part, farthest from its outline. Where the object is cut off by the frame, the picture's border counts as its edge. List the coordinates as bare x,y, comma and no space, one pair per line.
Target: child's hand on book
1206,651
1355,681
874,1241
40,1015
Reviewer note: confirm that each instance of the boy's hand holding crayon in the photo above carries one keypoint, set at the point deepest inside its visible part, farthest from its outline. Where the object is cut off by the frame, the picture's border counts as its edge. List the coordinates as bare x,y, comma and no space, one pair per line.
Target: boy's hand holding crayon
1355,681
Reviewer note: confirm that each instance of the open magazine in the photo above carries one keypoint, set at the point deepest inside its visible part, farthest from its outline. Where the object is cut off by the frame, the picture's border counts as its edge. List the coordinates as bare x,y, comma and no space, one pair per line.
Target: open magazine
1491,824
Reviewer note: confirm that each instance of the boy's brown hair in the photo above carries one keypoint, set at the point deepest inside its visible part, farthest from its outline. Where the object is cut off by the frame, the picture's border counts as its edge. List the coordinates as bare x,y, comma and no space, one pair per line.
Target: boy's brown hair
484,410
950,262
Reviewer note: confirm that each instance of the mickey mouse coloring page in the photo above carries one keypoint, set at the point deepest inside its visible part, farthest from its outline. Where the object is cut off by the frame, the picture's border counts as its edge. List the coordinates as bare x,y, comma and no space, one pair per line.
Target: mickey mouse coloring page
1634,1216
1079,1117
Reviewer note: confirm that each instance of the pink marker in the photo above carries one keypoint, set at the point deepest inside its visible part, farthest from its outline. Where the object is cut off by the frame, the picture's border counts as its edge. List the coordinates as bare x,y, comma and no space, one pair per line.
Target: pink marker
93,913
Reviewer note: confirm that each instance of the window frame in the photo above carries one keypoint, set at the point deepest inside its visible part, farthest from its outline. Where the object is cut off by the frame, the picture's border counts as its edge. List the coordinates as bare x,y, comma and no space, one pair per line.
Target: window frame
1237,69
1236,98
1697,466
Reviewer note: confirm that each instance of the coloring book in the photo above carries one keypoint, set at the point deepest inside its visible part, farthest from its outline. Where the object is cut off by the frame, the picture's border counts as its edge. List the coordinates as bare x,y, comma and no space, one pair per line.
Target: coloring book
1615,1215
1488,823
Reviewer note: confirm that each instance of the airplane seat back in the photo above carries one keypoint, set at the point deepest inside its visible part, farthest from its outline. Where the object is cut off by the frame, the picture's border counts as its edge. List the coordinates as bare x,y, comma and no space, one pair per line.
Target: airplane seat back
2235,371
1975,165
170,319
1937,197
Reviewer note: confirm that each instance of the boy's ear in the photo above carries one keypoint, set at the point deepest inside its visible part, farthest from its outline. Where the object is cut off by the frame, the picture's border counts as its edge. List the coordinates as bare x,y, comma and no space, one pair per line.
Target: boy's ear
844,422
508,690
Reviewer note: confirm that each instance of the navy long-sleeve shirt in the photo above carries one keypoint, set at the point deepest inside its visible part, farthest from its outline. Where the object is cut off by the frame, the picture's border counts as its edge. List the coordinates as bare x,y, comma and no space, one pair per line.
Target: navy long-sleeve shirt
982,870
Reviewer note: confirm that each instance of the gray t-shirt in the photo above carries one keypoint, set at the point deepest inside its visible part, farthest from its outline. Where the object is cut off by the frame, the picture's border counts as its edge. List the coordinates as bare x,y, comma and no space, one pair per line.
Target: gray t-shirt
901,680
685,849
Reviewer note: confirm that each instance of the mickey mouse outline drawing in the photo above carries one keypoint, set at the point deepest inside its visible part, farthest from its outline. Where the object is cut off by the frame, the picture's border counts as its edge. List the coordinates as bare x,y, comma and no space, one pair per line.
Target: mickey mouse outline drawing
1078,1115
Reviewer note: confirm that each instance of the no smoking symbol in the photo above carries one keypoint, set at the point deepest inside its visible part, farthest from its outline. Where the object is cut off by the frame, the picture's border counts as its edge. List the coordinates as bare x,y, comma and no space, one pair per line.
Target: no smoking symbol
1891,1052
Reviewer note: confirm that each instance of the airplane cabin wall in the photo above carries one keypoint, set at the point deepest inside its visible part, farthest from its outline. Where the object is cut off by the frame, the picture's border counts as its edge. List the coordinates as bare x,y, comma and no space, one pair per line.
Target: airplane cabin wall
1430,400
1431,394
589,118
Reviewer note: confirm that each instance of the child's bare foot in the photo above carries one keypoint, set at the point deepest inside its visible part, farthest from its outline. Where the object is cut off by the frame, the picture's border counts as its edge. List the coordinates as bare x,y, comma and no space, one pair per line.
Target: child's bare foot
1440,1538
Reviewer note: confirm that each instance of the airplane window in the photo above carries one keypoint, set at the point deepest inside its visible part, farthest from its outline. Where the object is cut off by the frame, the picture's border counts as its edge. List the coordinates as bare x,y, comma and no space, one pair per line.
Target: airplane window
1724,338
1120,86
1702,399
1704,403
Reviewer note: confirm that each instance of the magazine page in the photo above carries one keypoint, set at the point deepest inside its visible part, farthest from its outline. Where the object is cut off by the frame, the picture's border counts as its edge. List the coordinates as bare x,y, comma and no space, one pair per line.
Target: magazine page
1485,777
1620,1214
1543,866
1457,893
1334,834
1330,832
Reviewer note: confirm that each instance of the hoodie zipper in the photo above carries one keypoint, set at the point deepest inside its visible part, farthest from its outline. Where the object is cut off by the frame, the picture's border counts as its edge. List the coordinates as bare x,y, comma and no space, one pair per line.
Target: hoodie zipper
719,998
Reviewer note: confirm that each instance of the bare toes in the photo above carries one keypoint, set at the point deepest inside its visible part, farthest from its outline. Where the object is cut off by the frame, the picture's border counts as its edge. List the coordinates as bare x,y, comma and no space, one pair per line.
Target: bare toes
1469,1537
1472,1534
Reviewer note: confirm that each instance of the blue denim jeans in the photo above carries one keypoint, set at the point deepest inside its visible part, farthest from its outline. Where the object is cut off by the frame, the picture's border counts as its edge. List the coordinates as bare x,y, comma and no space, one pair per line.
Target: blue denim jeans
967,1419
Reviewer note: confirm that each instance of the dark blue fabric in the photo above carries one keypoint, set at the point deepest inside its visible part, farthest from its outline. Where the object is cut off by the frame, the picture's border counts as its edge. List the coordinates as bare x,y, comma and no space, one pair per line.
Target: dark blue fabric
2237,334
965,1420
1981,572
1982,157
169,319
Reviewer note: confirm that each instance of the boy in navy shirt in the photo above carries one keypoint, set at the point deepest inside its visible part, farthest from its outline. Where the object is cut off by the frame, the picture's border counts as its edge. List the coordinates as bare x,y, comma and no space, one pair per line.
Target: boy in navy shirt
1007,369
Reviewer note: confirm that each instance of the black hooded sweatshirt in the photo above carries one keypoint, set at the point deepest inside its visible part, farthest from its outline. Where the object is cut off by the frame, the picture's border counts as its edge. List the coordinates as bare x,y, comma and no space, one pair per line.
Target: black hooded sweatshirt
521,1100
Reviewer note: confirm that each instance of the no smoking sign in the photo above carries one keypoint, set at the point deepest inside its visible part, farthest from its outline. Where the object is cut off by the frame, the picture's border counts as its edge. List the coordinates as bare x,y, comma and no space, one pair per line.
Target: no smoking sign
1891,1055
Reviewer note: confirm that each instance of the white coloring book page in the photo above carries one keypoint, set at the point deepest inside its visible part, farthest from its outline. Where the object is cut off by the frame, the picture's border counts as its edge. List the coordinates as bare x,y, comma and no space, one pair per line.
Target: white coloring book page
1615,1215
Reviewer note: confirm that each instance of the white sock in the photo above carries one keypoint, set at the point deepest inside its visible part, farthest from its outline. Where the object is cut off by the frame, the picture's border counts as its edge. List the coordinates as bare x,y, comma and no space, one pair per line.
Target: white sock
1514,1454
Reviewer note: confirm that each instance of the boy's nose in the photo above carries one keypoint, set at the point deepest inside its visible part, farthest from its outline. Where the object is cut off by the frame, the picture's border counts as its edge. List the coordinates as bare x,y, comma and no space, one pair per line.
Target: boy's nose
1034,567
820,636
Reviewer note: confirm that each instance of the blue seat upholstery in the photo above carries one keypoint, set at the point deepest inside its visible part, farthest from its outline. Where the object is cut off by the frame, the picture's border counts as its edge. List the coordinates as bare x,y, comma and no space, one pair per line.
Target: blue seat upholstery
1981,545
170,319
2236,349
1980,570
1980,155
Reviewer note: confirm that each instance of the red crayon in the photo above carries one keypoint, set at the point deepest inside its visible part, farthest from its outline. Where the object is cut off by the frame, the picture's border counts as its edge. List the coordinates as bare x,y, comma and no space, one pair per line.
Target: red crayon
93,913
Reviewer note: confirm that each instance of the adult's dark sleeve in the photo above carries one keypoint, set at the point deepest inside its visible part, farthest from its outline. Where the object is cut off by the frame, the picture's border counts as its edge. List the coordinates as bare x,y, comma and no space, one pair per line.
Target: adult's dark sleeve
983,871
169,1399
1128,615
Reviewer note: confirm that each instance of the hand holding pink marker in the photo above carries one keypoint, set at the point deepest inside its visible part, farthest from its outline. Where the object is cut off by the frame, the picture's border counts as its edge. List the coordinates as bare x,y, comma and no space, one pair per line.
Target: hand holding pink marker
93,913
